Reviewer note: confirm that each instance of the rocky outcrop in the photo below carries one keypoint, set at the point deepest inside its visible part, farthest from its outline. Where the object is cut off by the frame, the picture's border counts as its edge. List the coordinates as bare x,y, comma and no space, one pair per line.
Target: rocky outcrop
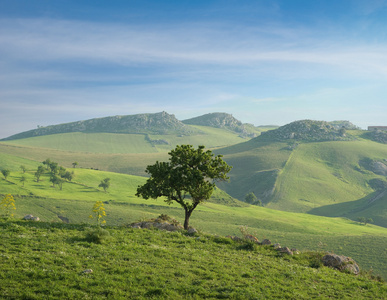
225,121
379,136
341,263
306,130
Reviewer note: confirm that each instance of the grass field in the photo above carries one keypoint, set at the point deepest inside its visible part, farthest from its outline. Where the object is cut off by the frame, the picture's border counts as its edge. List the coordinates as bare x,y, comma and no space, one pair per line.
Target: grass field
74,203
56,261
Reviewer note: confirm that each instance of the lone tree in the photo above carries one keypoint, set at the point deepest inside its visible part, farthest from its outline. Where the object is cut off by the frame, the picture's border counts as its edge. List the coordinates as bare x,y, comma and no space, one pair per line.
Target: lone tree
188,178
105,184
5,173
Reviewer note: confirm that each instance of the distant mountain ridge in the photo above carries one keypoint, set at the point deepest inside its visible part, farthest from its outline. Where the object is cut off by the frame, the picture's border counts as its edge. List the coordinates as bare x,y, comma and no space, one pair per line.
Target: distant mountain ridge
225,121
157,123
309,130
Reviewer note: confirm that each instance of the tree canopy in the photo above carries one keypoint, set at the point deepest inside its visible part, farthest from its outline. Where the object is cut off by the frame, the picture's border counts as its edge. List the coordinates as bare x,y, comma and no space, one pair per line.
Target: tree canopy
188,178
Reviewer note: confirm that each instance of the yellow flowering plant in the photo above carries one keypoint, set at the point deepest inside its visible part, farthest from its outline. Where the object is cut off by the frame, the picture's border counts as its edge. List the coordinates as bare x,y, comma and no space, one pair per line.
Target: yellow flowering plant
8,204
99,213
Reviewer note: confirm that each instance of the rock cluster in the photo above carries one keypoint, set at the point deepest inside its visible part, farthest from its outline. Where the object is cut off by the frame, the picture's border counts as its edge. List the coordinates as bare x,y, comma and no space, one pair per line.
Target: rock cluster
31,218
377,136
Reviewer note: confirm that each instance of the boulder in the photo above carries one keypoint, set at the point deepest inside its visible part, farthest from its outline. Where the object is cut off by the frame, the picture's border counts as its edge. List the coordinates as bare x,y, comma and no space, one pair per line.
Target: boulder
31,218
341,263
285,250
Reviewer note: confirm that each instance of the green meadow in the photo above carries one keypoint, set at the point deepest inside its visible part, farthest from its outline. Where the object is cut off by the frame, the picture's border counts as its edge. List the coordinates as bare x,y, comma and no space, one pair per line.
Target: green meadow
222,215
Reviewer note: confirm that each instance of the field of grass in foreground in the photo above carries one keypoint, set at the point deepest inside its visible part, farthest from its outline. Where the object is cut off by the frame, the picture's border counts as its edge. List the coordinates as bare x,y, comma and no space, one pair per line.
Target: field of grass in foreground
49,260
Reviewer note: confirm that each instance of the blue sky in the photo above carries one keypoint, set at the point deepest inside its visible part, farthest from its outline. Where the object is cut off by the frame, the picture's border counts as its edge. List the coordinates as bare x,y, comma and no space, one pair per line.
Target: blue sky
264,62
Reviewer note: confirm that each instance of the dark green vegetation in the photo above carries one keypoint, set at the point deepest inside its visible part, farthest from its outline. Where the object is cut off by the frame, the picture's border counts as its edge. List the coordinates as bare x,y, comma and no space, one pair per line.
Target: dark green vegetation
302,174
58,261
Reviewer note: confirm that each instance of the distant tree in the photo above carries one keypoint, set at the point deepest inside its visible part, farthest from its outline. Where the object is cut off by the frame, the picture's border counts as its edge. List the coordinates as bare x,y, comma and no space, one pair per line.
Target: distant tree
105,184
250,198
67,175
54,167
6,173
47,163
56,181
23,168
188,178
23,179
39,173
75,164
365,220
61,170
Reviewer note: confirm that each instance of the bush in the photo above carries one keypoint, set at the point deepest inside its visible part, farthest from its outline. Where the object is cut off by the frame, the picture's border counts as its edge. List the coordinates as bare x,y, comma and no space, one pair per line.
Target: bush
98,235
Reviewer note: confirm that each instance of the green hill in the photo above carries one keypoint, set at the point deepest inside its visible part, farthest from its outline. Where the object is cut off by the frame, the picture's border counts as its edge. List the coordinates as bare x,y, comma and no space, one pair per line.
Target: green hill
223,215
311,176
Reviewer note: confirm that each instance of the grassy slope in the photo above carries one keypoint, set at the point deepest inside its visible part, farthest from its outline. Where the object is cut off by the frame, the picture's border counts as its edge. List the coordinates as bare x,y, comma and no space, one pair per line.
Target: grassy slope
111,143
46,260
90,142
294,230
253,164
325,174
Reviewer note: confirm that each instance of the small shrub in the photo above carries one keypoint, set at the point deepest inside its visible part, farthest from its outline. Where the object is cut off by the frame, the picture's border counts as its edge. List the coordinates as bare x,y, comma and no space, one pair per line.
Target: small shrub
315,259
98,235
247,245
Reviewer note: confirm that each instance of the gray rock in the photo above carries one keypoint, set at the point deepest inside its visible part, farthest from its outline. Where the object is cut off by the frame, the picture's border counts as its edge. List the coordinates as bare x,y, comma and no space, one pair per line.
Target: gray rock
31,218
341,263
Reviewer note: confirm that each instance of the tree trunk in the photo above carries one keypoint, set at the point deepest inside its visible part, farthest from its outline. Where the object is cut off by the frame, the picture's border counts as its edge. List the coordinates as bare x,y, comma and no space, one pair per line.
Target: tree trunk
187,216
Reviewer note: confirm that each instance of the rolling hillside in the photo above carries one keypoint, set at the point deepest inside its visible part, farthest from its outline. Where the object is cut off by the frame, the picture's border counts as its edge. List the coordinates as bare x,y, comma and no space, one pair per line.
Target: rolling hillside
223,215
312,173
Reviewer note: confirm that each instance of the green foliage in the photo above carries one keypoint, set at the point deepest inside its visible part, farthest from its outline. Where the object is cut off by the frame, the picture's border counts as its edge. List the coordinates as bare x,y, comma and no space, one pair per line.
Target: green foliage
188,178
